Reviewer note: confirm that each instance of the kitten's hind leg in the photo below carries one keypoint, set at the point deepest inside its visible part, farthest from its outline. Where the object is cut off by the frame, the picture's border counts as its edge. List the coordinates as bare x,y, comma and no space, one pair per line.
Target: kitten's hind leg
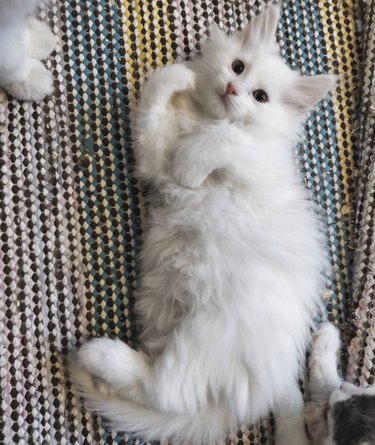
40,41
115,363
290,422
324,377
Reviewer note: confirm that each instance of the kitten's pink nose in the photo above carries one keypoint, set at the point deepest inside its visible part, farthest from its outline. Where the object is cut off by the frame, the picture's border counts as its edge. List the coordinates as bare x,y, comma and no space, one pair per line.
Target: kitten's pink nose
231,90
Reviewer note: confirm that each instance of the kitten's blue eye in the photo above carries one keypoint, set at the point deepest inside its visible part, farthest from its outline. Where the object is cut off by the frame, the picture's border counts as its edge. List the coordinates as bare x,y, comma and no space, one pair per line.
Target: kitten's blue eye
238,66
260,96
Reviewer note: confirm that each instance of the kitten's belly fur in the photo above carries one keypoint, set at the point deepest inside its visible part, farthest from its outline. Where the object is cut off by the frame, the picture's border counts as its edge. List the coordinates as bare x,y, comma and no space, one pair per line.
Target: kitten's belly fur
247,273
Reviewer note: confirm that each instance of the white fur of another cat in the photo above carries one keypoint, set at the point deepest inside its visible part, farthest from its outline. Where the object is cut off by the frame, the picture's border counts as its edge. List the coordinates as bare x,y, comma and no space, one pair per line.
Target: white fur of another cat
24,42
232,257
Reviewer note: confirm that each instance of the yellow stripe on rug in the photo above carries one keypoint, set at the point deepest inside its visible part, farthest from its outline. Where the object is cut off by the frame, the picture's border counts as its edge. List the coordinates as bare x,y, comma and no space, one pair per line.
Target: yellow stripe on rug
339,27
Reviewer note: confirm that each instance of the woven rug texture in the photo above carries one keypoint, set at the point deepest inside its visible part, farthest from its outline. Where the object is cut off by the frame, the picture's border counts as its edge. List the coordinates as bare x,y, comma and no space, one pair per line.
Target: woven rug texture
71,210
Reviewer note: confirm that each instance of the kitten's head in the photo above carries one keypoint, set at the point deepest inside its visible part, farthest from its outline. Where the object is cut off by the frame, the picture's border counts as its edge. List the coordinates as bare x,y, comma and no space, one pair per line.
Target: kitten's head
243,77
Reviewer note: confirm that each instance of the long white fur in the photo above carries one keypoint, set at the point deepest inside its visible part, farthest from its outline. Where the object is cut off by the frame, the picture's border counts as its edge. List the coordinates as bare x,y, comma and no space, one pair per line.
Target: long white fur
151,423
24,42
232,257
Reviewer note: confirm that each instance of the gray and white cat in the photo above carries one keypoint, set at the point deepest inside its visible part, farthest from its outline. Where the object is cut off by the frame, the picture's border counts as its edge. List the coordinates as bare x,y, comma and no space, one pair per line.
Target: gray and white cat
233,254
24,42
338,413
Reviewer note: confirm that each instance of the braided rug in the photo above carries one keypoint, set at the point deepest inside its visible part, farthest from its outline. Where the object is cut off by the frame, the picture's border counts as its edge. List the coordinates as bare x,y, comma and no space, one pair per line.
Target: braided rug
71,211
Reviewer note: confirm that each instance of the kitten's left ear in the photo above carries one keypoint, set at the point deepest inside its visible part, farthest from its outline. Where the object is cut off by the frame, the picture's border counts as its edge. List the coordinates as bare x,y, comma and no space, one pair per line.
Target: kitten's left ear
215,33
262,28
308,91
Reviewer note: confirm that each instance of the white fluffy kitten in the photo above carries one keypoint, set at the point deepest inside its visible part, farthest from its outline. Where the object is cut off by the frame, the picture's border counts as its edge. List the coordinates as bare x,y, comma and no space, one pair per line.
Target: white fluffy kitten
24,42
338,413
232,258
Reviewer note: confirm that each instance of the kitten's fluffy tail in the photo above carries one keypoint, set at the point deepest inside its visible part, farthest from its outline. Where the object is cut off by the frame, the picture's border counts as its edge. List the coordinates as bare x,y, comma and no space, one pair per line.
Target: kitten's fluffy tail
204,428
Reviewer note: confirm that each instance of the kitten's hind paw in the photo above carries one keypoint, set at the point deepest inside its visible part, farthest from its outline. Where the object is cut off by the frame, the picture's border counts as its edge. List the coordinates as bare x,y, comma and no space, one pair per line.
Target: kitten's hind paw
114,364
40,41
98,354
111,360
37,85
324,377
326,340
84,381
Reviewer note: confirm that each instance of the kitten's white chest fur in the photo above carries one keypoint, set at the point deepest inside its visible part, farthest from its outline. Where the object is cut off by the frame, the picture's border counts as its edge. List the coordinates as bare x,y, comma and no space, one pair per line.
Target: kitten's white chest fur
232,257
243,254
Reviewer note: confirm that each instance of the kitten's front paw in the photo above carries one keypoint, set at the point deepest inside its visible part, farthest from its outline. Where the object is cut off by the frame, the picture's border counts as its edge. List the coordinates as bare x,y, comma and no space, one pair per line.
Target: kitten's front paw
186,173
180,77
40,41
37,85
172,79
